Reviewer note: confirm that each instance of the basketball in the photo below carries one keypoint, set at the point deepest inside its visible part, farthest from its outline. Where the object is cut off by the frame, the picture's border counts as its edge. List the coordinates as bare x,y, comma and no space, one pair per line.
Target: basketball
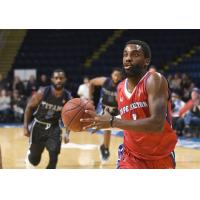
73,111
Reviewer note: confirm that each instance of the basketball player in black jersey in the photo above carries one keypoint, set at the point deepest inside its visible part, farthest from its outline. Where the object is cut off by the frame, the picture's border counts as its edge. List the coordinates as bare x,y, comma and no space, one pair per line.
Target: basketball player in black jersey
45,128
108,100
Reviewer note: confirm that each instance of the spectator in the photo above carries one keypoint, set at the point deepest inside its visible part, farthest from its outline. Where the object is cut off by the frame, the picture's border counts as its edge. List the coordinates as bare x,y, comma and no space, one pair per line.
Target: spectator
192,118
18,85
176,84
31,86
5,106
18,105
187,92
185,81
43,82
83,90
177,105
186,113
169,78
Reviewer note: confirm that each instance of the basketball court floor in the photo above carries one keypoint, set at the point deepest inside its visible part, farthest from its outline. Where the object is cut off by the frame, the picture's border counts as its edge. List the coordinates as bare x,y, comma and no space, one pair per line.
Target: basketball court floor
81,153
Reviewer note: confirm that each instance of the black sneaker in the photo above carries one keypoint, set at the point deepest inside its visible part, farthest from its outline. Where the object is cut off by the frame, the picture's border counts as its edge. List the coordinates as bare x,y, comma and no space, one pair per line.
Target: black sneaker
105,154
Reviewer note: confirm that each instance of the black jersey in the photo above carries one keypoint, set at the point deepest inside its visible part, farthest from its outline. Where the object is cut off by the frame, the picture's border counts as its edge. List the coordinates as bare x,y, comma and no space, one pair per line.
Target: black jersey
109,93
49,109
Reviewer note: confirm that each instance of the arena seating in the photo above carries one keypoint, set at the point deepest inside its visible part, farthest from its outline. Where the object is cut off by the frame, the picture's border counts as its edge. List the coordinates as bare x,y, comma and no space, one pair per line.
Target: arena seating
190,66
166,45
46,50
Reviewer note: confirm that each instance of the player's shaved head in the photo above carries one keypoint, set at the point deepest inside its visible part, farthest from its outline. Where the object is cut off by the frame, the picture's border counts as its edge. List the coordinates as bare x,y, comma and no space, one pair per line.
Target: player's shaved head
58,71
145,47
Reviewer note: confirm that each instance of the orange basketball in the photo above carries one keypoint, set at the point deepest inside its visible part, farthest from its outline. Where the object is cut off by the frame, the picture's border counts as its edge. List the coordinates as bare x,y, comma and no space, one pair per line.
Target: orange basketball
73,111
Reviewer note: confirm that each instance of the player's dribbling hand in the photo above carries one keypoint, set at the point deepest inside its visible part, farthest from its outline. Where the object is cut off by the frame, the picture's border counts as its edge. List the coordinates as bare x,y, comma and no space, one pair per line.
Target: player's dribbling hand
26,132
96,121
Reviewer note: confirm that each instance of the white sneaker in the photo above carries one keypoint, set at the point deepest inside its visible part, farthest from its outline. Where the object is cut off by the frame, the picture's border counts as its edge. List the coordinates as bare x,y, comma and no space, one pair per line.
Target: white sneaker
28,165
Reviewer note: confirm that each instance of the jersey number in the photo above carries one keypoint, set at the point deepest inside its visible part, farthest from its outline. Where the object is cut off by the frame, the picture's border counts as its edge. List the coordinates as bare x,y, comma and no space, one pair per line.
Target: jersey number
134,116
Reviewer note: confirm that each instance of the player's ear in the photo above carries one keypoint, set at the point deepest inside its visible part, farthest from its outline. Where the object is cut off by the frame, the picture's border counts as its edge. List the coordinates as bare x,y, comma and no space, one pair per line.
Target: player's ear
147,61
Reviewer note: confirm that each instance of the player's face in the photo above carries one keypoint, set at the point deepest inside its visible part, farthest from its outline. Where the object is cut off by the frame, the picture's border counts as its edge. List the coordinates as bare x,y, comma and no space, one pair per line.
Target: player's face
116,76
58,80
194,95
134,60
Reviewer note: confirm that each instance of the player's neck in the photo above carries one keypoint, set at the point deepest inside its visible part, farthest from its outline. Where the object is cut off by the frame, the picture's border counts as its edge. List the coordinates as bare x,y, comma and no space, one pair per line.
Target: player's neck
114,84
57,93
133,81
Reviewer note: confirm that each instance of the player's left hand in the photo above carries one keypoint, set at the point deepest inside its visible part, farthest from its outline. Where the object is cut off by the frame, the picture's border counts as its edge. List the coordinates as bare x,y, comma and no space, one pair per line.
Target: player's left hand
97,121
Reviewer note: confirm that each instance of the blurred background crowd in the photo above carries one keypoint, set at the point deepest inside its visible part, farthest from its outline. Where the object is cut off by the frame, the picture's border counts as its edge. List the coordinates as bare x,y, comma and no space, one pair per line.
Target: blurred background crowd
92,53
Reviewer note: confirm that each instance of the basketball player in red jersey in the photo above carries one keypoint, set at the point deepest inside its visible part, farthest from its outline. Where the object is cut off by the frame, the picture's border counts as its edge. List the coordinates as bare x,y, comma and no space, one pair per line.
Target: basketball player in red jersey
145,109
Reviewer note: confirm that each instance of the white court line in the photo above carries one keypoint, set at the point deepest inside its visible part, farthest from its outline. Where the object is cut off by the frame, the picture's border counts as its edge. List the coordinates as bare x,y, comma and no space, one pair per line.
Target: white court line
80,146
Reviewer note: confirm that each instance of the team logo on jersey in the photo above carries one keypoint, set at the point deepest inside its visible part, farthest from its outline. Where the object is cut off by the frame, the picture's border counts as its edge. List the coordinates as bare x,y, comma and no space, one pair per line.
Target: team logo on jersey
133,106
52,107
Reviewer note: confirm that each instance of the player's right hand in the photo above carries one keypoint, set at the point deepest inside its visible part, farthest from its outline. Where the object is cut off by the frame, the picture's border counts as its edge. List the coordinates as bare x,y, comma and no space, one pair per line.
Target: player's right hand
26,132
97,121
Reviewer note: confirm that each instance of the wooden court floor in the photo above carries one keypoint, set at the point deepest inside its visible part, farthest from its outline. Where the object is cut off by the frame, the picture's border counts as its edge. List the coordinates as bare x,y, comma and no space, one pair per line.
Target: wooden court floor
81,153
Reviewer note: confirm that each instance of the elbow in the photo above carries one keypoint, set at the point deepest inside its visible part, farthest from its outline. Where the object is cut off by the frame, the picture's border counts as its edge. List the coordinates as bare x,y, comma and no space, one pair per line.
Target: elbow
158,125
160,128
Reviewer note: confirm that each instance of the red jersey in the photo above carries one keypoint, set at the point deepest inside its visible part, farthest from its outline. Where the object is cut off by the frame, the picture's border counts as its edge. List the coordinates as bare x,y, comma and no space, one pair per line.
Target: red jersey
148,146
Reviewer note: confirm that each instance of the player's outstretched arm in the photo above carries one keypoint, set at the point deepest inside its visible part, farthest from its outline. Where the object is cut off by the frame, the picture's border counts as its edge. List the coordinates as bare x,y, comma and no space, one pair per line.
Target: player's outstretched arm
157,90
32,103
99,81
